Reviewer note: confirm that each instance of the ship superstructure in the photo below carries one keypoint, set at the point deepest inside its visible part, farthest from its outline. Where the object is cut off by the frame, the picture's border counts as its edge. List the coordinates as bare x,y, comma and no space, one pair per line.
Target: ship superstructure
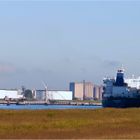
133,82
120,92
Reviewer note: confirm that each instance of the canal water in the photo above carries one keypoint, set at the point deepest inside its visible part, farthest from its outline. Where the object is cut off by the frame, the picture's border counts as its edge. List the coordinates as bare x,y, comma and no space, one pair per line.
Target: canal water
38,107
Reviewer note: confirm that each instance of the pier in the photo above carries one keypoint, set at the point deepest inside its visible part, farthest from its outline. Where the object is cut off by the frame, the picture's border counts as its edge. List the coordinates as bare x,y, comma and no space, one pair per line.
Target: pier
50,103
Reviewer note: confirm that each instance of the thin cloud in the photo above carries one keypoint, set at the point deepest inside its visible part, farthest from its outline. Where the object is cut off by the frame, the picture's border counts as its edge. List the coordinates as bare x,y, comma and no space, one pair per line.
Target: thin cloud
7,68
112,63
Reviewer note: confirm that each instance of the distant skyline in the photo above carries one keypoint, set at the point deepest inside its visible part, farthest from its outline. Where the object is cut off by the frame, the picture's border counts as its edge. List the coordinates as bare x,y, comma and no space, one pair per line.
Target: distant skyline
64,41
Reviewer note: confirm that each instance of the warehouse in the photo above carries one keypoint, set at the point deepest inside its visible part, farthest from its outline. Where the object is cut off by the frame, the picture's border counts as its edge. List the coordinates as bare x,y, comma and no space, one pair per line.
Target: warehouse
10,94
52,95
60,95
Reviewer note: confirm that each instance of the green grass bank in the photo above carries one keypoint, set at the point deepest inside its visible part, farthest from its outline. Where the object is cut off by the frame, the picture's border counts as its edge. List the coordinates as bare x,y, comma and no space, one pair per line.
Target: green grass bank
70,124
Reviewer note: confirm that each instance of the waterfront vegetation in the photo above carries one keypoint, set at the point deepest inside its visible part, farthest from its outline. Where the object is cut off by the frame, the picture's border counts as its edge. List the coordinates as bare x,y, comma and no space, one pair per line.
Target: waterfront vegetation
70,124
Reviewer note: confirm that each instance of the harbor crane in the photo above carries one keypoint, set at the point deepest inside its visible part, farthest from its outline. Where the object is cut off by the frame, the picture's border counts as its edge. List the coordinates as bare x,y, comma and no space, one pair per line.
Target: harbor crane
46,93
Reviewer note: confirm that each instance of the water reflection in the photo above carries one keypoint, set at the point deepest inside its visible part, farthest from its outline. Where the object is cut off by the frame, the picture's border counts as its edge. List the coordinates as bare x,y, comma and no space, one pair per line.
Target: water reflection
38,107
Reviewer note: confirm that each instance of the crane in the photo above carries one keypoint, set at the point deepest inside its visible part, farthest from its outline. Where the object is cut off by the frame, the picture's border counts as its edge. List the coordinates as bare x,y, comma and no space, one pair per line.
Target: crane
46,93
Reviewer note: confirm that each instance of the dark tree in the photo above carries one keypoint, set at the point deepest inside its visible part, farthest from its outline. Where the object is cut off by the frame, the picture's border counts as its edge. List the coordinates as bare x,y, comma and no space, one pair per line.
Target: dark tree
28,94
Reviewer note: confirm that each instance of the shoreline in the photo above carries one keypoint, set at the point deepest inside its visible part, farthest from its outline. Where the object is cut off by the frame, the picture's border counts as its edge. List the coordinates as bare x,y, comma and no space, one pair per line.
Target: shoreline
78,103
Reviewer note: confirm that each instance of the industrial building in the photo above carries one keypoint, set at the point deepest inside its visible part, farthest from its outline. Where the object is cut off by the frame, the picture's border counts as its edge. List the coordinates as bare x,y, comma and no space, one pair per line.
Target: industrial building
52,95
82,91
77,90
10,94
97,92
86,91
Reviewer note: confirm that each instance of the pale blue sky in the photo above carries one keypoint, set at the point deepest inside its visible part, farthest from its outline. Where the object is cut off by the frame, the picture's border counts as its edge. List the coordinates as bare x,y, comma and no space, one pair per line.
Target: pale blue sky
63,41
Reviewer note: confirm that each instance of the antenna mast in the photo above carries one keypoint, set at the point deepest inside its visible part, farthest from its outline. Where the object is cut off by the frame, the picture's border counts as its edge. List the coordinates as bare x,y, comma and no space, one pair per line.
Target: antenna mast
46,93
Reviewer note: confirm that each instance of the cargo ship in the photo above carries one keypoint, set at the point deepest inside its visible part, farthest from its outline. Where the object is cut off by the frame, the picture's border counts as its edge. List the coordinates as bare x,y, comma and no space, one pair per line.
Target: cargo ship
120,92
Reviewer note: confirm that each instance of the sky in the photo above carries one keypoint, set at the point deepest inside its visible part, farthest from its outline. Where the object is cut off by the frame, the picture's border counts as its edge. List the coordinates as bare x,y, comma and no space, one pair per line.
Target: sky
67,41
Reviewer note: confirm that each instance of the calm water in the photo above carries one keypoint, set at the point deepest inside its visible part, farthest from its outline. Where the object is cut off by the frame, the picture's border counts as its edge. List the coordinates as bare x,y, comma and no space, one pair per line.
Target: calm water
37,107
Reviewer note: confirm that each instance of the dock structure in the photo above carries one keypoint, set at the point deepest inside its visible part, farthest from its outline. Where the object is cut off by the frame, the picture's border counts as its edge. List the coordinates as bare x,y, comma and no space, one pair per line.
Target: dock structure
49,103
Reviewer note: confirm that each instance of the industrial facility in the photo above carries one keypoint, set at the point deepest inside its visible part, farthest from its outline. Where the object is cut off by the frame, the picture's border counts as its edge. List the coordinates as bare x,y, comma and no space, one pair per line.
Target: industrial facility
86,91
77,91
52,95
10,94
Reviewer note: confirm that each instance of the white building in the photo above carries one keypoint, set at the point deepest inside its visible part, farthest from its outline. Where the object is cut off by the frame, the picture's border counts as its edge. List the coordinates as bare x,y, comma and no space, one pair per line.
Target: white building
10,94
53,95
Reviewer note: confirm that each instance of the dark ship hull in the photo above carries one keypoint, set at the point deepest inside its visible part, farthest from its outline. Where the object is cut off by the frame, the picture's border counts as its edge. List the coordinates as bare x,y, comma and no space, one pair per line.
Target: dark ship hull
121,102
